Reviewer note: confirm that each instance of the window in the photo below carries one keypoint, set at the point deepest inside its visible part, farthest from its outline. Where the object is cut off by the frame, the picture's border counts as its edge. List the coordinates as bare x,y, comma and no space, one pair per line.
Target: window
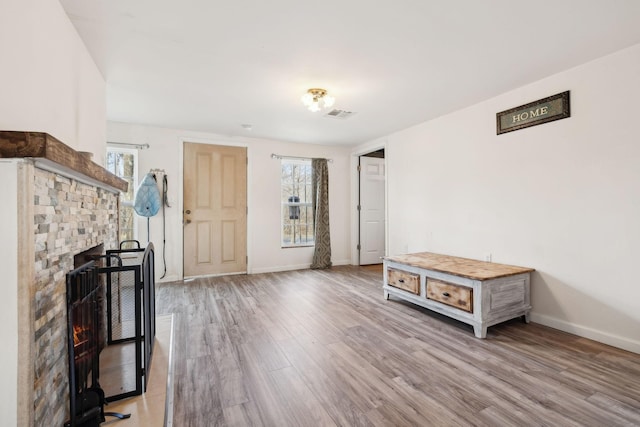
297,215
123,163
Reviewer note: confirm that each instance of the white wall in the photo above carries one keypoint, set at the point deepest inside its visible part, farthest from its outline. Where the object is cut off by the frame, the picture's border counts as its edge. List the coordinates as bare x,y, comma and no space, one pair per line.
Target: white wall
562,197
48,81
265,253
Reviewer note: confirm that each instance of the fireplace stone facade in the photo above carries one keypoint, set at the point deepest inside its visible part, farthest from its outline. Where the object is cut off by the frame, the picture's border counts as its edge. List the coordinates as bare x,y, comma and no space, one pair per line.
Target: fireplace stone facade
68,217
56,203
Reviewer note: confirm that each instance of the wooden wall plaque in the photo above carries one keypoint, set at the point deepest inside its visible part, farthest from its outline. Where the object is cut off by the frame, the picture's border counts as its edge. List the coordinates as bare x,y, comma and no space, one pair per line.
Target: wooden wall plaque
544,110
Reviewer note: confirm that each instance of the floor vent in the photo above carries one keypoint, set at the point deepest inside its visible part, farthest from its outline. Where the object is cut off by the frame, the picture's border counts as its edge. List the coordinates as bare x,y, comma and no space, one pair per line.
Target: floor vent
339,114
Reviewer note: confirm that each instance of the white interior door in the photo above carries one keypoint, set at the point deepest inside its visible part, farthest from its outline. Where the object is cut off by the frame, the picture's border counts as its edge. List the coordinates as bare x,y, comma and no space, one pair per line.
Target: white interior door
372,213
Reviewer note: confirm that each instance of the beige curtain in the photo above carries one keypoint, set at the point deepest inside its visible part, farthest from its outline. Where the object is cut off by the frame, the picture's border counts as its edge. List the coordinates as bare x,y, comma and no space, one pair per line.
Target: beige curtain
320,197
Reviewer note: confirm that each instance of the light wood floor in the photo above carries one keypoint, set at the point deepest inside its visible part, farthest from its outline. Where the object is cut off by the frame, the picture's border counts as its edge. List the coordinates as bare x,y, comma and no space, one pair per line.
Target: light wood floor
316,348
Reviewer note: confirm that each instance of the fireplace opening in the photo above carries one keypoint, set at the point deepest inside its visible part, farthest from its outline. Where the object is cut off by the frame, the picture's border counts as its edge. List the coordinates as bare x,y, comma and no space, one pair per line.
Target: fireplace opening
96,254
86,398
92,254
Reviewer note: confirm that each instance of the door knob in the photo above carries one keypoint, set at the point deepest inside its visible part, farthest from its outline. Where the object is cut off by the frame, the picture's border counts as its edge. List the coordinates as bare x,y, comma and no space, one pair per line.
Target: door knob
187,211
187,221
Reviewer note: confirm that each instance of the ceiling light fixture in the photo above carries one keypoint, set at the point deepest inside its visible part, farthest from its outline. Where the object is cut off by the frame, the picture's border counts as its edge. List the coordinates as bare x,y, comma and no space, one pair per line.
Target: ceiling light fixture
317,99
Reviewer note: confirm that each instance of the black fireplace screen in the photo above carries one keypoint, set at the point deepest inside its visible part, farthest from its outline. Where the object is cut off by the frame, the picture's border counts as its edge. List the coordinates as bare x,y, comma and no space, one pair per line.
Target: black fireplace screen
130,295
86,398
125,289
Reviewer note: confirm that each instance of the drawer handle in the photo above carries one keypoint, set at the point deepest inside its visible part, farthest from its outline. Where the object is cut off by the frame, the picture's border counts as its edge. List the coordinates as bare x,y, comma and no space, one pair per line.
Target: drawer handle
401,281
445,294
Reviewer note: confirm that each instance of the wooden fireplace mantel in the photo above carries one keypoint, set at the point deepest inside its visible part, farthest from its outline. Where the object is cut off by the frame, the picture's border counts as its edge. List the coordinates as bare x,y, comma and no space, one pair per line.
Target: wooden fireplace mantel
44,147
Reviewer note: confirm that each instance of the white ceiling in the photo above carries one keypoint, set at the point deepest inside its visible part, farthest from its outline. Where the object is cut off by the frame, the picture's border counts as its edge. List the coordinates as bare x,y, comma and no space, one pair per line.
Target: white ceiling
212,66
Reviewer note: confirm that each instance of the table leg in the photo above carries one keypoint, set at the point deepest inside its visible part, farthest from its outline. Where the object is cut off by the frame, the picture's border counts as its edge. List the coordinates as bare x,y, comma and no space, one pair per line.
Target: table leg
480,331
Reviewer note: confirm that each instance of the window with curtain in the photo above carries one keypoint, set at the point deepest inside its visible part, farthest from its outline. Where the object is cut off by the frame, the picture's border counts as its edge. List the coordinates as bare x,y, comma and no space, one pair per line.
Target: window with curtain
297,211
123,163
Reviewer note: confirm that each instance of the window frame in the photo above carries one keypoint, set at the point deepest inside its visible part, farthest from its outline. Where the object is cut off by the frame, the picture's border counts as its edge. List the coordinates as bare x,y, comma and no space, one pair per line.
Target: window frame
124,203
285,205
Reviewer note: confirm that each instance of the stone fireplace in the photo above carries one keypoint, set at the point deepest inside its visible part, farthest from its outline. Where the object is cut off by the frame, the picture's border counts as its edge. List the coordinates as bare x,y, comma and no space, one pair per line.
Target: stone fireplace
64,204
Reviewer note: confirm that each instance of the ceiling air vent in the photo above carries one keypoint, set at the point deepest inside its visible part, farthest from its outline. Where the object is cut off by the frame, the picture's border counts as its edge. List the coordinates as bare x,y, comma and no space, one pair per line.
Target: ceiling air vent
339,114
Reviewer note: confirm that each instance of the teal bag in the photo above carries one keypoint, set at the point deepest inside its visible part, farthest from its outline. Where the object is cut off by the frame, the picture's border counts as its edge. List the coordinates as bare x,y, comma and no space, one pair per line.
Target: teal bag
147,201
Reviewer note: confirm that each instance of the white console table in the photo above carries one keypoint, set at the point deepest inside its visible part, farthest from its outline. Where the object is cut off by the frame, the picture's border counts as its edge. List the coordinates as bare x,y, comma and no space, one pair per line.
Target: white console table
478,293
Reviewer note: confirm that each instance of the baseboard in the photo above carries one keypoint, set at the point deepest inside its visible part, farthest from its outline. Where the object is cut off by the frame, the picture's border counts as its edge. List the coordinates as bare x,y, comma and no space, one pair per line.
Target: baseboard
592,334
170,278
279,268
293,267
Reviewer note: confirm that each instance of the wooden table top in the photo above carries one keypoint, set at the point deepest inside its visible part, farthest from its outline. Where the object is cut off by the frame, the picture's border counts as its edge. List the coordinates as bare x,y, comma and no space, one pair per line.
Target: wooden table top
463,267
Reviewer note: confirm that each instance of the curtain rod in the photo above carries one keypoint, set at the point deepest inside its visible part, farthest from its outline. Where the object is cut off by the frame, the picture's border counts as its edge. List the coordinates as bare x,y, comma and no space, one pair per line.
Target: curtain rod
138,146
279,157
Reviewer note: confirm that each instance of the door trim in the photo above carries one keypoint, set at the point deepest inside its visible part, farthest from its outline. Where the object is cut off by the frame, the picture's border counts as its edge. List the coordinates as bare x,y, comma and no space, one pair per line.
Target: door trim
180,185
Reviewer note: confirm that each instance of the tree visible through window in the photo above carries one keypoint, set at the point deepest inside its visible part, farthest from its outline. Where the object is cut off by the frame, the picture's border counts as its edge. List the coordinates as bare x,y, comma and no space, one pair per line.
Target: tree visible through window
297,215
122,163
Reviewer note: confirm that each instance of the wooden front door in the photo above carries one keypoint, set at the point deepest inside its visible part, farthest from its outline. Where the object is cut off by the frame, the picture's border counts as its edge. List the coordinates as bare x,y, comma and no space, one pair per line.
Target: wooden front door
215,209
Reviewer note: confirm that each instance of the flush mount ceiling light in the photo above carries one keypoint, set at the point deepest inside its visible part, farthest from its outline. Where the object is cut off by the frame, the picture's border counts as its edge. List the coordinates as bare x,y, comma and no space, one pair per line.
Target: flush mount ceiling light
317,99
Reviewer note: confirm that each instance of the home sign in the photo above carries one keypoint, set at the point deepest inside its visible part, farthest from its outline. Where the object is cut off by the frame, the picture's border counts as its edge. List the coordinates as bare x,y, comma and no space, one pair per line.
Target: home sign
544,110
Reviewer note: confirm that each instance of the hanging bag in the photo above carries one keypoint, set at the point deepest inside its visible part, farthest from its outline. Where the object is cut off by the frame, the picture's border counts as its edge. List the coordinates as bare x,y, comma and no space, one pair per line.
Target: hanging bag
148,201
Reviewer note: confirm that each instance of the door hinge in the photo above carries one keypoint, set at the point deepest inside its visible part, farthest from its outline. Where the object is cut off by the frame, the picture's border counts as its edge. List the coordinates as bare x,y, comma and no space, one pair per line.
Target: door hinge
359,207
246,259
359,168
358,246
